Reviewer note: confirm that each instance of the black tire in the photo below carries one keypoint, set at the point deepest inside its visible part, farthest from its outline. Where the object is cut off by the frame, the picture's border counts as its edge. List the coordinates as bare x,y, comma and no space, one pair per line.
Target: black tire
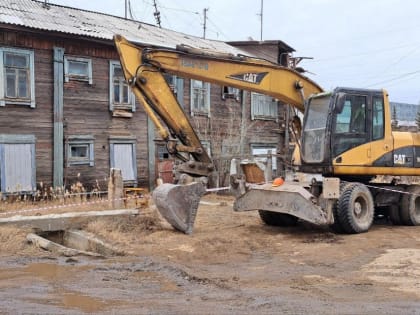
336,226
394,214
410,206
277,219
355,209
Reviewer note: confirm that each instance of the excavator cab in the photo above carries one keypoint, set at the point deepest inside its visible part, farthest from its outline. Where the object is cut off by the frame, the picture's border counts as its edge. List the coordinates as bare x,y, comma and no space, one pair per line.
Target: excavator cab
340,128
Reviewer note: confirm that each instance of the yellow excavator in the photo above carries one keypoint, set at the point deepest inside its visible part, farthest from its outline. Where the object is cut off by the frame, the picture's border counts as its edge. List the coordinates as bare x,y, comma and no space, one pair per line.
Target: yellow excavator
367,169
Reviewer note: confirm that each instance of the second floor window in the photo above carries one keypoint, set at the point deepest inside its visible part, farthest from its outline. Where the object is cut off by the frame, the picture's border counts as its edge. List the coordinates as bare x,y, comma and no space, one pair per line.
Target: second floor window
263,107
77,69
17,71
200,98
120,93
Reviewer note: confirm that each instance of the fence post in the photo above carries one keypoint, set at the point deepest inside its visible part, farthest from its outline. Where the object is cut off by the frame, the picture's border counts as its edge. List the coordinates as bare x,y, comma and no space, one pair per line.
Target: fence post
115,188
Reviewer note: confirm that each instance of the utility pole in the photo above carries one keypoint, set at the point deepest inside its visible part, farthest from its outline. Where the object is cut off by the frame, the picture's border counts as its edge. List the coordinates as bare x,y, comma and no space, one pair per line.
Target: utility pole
126,9
261,16
156,14
205,22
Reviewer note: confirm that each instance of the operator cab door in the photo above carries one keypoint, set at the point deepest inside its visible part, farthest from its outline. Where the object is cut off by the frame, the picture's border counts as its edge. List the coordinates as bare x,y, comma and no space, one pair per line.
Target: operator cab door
351,133
382,140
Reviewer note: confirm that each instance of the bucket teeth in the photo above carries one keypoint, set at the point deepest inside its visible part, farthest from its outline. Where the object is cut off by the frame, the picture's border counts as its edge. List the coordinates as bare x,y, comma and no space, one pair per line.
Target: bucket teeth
178,204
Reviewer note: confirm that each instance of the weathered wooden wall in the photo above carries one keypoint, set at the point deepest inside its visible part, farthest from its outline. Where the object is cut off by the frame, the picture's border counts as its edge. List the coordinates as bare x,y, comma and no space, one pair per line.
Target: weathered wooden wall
86,109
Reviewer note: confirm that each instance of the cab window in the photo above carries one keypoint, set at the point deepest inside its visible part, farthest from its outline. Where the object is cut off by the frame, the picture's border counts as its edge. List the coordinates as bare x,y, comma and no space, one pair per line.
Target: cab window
352,118
378,118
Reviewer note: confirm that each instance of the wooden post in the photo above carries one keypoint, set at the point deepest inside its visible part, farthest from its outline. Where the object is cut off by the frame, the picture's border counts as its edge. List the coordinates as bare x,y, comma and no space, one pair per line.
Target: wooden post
115,189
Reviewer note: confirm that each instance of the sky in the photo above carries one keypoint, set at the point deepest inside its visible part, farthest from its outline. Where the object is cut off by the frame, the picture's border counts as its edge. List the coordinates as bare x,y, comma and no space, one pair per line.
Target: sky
353,43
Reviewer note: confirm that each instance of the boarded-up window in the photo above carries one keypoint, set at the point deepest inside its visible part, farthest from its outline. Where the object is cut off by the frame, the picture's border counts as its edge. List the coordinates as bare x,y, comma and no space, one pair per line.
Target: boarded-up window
123,157
200,98
17,164
263,107
17,77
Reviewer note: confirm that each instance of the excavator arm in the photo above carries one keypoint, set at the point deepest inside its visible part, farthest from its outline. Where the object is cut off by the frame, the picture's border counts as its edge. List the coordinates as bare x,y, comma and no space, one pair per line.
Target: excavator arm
144,69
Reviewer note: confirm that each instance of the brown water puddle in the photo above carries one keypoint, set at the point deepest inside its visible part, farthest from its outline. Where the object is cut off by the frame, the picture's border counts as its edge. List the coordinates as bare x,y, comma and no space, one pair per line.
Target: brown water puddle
54,275
83,302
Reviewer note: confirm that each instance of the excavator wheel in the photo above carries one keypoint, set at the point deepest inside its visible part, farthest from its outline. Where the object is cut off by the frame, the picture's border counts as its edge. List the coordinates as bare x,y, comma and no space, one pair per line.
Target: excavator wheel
410,206
336,226
277,219
355,209
394,214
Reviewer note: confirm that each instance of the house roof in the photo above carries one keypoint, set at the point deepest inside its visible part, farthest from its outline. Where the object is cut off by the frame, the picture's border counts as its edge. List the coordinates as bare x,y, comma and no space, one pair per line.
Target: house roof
55,18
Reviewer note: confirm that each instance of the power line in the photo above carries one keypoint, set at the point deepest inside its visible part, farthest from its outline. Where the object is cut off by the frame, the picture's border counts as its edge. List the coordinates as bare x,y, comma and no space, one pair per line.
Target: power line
400,77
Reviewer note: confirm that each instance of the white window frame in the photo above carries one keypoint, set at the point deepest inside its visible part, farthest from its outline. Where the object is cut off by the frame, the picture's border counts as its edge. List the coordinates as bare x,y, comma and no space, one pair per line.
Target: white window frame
81,140
131,104
265,148
264,107
231,92
206,91
75,77
5,100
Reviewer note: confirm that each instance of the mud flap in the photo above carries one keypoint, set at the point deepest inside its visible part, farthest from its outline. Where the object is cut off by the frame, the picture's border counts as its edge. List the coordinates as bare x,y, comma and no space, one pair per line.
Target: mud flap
178,204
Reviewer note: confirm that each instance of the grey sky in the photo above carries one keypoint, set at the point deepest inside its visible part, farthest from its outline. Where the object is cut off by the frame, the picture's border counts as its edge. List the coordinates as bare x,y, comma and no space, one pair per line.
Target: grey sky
357,43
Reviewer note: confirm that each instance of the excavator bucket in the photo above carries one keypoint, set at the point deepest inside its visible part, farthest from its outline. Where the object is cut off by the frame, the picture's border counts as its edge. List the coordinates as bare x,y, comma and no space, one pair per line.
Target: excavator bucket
178,204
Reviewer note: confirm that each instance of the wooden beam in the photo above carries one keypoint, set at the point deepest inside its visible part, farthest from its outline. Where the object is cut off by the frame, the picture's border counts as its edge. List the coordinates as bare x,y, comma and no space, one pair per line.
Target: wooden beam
58,162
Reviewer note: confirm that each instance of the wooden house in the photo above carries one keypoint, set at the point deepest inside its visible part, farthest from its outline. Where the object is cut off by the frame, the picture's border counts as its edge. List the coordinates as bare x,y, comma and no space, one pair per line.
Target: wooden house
67,116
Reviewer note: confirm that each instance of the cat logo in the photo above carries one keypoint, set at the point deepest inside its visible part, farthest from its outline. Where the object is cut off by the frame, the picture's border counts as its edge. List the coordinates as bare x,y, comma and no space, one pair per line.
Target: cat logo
399,158
251,77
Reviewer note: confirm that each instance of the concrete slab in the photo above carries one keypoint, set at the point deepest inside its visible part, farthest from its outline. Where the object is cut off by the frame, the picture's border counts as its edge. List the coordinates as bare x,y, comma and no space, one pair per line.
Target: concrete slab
63,221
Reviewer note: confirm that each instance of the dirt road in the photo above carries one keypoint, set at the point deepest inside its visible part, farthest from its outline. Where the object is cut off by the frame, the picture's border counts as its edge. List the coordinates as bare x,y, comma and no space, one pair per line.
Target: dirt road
232,264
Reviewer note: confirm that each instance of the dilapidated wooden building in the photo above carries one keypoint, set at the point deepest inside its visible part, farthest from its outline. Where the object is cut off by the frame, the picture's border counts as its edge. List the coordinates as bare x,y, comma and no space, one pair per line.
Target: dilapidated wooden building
67,115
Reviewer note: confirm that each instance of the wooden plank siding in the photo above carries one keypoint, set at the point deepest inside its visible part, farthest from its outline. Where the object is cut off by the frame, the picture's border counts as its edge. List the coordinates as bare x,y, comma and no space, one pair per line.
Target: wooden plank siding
86,109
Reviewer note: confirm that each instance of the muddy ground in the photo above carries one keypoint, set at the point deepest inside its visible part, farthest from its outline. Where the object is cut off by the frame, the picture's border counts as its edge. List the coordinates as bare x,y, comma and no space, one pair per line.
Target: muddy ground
232,264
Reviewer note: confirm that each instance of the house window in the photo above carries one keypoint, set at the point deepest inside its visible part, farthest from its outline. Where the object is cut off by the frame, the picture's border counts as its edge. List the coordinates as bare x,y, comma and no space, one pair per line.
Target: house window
77,69
263,107
17,71
230,92
80,150
200,98
172,82
120,96
123,157
162,153
260,151
17,163
206,145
